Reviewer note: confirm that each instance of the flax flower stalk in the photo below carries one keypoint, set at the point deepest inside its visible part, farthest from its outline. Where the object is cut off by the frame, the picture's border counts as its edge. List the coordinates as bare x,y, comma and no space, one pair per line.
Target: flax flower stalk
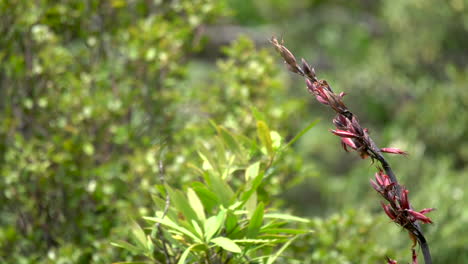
354,137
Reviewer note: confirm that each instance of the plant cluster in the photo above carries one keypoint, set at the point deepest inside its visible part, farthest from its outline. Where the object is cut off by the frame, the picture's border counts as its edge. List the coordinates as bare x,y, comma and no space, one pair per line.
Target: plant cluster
223,217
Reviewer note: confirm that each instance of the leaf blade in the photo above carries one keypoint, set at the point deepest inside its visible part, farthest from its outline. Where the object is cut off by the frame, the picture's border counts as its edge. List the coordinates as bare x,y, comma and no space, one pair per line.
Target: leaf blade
227,244
301,133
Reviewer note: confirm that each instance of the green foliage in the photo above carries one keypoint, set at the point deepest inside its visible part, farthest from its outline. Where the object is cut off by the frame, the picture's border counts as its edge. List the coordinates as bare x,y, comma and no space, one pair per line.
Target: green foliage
222,218
93,94
82,112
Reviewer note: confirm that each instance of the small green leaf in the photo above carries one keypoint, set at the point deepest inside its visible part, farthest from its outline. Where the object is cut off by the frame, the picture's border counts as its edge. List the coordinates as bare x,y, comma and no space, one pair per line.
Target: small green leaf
285,231
227,244
127,246
181,203
139,234
252,171
209,199
256,221
230,141
196,204
255,241
171,224
231,222
208,161
264,135
184,255
219,187
287,217
213,224
257,114
251,205
300,134
280,251
254,185
197,228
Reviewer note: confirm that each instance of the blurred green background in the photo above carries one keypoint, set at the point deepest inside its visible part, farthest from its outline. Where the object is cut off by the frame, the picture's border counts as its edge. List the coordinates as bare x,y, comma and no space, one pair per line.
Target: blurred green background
92,91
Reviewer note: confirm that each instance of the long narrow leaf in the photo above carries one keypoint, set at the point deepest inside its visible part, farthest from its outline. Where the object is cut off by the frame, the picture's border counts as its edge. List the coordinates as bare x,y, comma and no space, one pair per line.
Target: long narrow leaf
127,246
196,204
264,135
280,251
171,224
300,134
139,235
256,221
213,224
287,217
180,202
184,255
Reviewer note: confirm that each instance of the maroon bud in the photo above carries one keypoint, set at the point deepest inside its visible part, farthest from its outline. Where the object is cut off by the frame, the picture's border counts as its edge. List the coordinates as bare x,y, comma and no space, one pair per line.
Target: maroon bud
376,186
348,142
310,86
394,151
288,56
419,216
426,210
404,199
389,211
343,133
308,71
415,257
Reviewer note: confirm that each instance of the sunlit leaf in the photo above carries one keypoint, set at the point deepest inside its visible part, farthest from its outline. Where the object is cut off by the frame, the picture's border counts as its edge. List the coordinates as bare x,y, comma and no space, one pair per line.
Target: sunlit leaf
256,221
264,135
252,171
139,234
196,204
287,217
171,224
181,204
213,224
127,246
227,244
209,199
184,255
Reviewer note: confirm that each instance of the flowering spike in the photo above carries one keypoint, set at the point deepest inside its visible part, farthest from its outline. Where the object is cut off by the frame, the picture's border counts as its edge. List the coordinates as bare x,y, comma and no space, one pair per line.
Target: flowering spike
394,151
353,135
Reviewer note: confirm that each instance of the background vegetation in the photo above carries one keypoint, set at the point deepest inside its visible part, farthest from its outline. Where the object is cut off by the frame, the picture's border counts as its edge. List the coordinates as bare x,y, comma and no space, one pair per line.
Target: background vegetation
94,94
